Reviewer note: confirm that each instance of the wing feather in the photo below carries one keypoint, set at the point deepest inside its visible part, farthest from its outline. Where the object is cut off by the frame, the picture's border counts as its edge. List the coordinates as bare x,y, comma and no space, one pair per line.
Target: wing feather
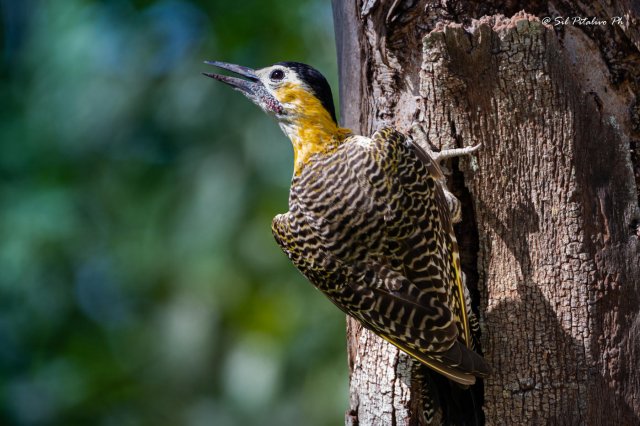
392,136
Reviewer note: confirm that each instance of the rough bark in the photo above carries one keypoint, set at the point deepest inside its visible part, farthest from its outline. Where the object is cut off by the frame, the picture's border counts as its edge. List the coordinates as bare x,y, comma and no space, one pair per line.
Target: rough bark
550,233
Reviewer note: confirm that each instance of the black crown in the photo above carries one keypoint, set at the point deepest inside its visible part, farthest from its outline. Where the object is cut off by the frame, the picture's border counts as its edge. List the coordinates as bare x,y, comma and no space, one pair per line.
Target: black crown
316,82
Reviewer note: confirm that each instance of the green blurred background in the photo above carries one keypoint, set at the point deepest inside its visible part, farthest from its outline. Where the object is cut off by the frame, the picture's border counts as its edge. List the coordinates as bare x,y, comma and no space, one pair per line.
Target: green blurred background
139,281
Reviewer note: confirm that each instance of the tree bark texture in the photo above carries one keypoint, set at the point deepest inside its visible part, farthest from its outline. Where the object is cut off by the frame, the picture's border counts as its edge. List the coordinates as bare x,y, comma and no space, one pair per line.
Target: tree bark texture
549,239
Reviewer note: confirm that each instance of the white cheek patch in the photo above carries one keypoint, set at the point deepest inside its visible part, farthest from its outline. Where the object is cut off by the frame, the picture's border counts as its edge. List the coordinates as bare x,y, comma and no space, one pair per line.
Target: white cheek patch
289,77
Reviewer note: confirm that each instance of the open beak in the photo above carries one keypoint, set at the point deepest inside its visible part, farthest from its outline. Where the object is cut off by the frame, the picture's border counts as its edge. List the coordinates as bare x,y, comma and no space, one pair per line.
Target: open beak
248,86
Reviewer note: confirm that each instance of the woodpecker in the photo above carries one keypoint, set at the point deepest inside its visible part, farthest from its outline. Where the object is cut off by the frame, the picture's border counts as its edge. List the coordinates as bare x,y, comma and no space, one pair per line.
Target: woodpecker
369,222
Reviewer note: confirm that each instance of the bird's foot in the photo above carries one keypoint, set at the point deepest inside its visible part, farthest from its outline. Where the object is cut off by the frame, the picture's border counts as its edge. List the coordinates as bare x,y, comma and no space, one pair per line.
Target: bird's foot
421,138
455,152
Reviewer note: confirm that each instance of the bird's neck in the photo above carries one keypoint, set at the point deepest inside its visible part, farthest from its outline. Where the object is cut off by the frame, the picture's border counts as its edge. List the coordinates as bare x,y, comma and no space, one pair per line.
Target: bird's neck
313,134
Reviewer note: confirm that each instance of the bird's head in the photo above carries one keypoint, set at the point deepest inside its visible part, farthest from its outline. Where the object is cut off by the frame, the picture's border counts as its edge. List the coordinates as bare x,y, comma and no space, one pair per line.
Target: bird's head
298,96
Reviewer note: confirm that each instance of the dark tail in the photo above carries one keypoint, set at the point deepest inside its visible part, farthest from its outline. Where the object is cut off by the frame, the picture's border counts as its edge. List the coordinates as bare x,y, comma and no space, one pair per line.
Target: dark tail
443,402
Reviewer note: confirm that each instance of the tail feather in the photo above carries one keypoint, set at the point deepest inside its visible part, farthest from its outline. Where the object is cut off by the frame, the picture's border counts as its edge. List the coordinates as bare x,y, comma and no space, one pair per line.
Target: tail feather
459,363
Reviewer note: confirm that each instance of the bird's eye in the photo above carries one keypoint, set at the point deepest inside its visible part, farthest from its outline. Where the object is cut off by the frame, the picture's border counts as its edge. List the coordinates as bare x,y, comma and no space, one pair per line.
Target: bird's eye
276,75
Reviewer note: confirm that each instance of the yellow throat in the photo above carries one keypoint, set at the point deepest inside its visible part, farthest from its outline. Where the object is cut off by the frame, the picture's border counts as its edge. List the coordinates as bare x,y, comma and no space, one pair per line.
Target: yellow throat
312,131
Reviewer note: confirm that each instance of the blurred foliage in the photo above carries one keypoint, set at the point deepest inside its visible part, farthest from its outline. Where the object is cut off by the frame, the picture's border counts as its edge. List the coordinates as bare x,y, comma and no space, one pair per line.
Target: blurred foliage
139,282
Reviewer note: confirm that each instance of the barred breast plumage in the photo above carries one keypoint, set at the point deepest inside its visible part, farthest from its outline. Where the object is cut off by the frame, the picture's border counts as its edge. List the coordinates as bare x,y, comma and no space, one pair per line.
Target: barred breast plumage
369,225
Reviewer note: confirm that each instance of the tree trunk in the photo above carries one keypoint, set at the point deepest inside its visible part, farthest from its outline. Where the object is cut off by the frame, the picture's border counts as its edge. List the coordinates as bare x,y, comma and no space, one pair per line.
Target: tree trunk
549,239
